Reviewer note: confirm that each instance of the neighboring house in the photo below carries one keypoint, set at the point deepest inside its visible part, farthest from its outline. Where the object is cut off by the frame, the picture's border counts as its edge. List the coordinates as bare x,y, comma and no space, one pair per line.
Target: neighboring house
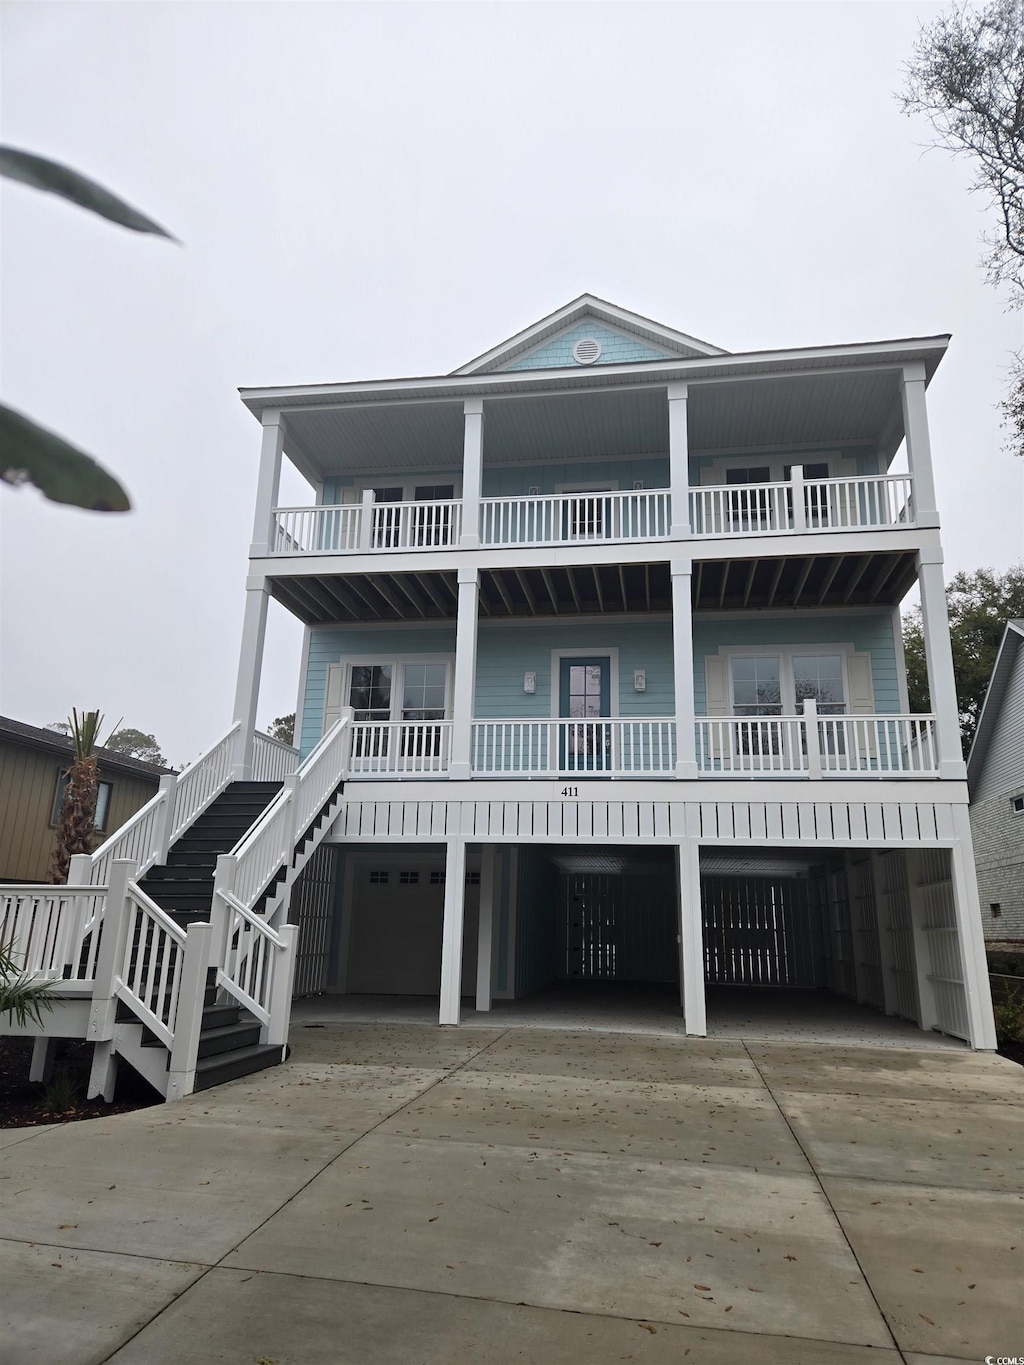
602,681
33,762
995,775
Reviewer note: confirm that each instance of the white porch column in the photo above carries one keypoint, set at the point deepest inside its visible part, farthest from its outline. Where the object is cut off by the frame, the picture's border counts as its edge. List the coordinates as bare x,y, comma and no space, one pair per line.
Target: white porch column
472,472
250,667
974,964
883,918
682,667
919,450
485,935
451,936
691,940
268,484
678,461
464,689
938,653
928,1015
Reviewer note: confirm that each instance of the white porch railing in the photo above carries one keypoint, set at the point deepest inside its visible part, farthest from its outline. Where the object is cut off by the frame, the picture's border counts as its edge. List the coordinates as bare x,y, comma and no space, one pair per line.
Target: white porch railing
572,518
48,931
369,525
150,965
556,748
817,746
272,760
800,506
402,748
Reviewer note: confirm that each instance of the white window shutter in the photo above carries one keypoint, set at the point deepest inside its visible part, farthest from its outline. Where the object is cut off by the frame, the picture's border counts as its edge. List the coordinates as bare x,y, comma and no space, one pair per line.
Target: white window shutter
716,692
334,698
861,701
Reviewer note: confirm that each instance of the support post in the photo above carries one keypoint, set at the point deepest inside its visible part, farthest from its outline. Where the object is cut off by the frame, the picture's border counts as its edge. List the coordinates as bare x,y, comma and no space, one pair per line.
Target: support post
451,938
928,1013
682,667
102,1073
284,982
919,450
43,1052
267,485
111,955
812,738
80,870
221,914
678,461
938,653
796,483
250,667
691,940
485,934
970,935
472,472
464,690
188,1023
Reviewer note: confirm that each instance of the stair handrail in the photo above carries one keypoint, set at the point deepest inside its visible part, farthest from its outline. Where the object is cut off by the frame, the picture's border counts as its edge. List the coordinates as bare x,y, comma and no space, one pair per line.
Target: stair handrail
248,968
272,759
151,988
182,798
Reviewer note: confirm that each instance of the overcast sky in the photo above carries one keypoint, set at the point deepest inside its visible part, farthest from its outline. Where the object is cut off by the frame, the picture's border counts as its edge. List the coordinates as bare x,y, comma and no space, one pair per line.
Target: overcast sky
369,190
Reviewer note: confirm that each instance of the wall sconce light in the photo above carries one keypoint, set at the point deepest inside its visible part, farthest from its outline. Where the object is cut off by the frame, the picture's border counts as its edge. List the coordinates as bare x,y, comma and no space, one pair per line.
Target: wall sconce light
639,679
638,485
529,682
534,490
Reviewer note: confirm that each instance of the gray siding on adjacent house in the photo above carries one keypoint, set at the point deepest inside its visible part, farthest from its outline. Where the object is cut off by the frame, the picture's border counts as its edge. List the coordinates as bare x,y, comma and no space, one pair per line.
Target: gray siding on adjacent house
1003,768
998,832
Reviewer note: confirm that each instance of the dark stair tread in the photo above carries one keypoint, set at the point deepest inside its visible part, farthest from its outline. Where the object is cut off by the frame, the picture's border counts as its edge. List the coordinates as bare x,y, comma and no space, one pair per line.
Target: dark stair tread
215,1042
216,1016
231,1065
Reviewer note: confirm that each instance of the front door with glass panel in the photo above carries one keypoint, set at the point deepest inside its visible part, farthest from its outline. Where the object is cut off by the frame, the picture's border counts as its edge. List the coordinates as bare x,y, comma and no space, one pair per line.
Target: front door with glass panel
586,514
585,699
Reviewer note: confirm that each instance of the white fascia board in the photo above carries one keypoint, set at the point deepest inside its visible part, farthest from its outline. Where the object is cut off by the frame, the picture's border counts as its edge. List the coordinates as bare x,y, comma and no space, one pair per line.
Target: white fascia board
587,305
796,363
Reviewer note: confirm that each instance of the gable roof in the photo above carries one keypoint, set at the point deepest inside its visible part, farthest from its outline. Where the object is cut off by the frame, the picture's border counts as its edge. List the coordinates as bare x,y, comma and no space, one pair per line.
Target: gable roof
53,741
1013,639
588,306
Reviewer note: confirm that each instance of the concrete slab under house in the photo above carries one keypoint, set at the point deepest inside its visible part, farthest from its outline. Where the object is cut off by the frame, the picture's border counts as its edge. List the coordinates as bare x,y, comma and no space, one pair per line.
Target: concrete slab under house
602,704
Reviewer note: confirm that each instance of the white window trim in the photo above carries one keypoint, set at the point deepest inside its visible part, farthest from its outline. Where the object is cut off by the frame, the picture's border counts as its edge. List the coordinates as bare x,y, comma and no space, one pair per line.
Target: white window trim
398,662
408,484
785,655
608,652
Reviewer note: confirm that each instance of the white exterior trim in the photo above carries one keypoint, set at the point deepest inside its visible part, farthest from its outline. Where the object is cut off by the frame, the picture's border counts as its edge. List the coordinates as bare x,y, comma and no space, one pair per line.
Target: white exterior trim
609,652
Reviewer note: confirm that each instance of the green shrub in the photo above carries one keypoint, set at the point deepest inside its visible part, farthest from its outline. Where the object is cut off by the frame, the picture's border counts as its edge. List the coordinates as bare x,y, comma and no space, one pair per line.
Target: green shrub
1009,1016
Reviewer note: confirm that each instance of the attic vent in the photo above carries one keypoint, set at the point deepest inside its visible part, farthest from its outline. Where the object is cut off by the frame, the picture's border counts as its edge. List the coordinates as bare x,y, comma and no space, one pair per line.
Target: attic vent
586,350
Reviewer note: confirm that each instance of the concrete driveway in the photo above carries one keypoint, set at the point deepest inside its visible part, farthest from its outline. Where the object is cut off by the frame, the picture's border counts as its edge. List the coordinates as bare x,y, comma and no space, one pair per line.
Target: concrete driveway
404,1193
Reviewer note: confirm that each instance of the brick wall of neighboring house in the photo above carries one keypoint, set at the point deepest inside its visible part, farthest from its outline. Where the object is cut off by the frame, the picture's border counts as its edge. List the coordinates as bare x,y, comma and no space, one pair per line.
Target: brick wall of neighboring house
998,832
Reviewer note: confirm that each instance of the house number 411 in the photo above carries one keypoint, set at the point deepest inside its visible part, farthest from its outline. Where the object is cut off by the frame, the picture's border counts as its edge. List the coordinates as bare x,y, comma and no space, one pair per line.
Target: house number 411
570,791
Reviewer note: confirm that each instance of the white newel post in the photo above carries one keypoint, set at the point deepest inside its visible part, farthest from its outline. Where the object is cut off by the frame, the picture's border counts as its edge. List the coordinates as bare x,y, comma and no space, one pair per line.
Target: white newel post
188,1021
250,667
919,450
103,1010
812,738
472,472
796,481
222,917
366,520
938,653
485,935
464,690
268,485
451,938
284,983
691,940
165,818
682,668
678,461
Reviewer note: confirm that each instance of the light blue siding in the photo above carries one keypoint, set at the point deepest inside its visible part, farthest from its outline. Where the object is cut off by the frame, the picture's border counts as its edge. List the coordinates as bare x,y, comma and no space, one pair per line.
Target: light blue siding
616,349
516,481
866,458
868,634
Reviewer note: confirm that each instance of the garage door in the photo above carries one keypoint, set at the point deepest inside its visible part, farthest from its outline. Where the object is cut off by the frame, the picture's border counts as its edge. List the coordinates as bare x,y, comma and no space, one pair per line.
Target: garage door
397,919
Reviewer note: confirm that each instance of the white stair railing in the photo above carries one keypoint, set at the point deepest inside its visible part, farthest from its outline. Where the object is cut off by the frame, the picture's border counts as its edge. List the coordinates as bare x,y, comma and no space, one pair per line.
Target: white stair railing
272,760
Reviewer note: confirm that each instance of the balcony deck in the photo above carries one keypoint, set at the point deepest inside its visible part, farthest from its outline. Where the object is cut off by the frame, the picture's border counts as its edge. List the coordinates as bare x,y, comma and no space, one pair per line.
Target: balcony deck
793,508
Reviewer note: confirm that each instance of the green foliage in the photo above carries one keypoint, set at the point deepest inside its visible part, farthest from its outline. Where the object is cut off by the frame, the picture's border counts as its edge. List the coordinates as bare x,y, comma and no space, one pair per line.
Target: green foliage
135,744
30,453
980,604
21,999
85,733
283,728
1009,1017
61,1090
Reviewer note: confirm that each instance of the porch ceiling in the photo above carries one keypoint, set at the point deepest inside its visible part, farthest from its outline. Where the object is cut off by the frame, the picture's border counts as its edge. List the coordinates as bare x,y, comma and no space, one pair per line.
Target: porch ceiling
602,589
784,412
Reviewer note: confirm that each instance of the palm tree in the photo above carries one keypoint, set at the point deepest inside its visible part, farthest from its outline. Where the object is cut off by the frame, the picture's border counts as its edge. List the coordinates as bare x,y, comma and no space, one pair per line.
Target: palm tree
76,825
20,997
